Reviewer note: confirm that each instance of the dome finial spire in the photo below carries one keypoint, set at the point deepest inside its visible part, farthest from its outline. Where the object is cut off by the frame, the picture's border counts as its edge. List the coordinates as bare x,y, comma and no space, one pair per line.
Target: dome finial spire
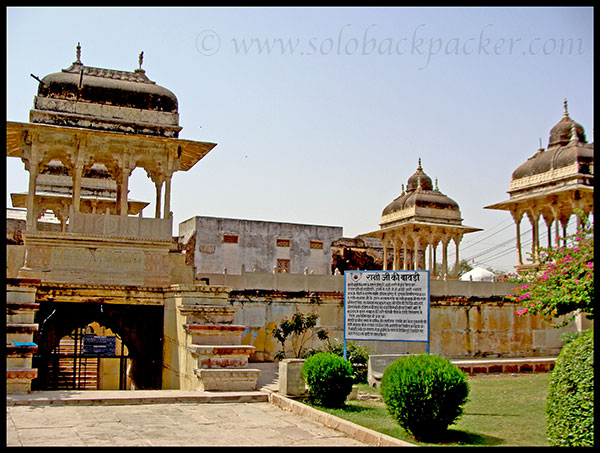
78,54
419,167
566,109
141,59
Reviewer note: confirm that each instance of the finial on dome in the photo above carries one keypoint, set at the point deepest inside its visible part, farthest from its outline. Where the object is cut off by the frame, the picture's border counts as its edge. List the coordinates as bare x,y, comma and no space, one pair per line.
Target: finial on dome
419,167
436,185
78,54
574,136
403,189
141,59
565,106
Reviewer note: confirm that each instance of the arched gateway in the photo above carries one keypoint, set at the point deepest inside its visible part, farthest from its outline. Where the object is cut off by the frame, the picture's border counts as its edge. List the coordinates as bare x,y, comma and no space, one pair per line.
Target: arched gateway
106,263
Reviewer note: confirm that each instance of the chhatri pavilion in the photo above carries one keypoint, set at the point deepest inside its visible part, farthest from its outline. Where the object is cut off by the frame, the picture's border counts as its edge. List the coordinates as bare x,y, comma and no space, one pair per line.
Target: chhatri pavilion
552,184
417,222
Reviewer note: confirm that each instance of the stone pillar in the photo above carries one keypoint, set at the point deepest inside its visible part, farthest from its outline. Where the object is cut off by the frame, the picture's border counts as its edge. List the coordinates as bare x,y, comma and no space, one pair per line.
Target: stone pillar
31,220
416,252
517,218
405,257
167,206
395,260
430,247
456,243
158,198
564,222
124,189
77,175
445,242
385,244
534,220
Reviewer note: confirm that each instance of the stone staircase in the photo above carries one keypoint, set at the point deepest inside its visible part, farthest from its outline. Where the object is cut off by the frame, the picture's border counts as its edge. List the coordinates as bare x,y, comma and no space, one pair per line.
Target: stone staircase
215,343
68,372
20,327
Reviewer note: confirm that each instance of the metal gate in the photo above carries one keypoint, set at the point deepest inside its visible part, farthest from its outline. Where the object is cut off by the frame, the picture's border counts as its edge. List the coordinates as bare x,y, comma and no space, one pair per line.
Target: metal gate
75,363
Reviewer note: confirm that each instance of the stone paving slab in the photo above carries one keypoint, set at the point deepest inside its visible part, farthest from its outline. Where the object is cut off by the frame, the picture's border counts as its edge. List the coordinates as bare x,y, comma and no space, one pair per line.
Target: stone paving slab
173,424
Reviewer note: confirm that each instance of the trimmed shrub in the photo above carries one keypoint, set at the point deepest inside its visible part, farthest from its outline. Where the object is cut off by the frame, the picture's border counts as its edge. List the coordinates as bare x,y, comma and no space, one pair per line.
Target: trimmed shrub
570,402
425,394
329,379
357,355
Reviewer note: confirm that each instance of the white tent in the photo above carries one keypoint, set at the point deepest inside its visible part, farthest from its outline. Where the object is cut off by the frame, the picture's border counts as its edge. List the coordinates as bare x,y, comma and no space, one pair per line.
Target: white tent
478,274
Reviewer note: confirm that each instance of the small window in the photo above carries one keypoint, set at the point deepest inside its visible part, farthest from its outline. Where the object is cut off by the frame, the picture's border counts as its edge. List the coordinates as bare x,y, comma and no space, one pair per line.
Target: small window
316,245
283,242
283,266
230,238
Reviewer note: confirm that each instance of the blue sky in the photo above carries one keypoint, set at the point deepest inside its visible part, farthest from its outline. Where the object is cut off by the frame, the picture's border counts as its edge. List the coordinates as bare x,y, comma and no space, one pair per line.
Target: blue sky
321,114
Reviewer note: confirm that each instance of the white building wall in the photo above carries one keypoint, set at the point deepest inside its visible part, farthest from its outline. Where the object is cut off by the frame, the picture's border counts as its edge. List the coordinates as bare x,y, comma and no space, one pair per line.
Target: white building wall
256,247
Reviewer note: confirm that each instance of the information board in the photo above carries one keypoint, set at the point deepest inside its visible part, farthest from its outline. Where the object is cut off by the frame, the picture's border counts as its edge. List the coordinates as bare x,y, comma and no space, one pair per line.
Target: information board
99,345
386,305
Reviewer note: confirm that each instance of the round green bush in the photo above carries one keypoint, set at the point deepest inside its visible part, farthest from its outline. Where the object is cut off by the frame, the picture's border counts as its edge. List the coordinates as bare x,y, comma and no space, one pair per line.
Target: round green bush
357,355
329,379
570,402
425,394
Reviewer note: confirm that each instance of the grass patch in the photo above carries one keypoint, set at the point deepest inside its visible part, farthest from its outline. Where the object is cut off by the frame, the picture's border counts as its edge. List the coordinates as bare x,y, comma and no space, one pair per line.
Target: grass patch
502,410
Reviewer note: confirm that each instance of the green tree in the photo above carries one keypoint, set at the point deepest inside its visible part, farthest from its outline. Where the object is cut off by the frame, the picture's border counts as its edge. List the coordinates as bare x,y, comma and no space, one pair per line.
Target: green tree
463,266
562,282
299,329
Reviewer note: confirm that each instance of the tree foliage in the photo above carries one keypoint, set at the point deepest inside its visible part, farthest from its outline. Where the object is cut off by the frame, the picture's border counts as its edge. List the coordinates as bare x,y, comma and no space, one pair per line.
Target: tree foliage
562,282
299,329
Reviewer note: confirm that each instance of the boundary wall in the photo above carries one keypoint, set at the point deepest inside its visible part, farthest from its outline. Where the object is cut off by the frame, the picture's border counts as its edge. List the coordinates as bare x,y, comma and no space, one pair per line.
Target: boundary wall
467,319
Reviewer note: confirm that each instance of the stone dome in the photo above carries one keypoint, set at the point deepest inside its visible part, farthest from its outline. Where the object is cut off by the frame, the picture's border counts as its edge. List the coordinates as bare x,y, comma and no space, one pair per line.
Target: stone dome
564,150
108,86
419,177
421,194
106,99
561,133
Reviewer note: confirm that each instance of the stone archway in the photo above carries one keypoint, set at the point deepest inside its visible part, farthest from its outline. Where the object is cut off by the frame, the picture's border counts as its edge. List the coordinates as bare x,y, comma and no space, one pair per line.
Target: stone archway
139,326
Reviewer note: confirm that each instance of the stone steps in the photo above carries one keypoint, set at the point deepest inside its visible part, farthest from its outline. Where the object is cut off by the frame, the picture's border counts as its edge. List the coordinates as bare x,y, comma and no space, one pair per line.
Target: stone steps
526,365
215,344
20,328
221,356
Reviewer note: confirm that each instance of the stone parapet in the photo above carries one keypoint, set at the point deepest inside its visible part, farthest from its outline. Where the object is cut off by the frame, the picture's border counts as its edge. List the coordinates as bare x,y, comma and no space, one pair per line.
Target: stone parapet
227,379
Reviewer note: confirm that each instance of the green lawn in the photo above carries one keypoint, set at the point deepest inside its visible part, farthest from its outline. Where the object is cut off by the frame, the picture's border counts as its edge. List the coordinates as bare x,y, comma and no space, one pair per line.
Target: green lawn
503,410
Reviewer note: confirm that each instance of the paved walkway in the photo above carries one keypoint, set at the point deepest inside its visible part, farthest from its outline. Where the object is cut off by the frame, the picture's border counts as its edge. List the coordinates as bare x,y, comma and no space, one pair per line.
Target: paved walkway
82,418
177,424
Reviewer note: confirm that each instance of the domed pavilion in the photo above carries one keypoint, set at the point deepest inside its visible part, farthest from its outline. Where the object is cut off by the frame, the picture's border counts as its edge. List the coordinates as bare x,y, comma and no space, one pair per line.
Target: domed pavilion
552,184
89,129
416,222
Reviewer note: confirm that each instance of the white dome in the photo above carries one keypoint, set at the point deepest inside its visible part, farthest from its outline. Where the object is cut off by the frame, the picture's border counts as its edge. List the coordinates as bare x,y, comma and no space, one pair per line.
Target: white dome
478,274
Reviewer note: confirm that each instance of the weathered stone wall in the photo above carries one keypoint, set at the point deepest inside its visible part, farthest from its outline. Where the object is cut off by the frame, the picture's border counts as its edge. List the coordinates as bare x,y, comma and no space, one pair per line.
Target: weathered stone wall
15,258
467,320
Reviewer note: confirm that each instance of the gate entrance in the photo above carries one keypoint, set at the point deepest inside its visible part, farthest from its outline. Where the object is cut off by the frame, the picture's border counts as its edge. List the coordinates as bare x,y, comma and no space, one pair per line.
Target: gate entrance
90,345
85,360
